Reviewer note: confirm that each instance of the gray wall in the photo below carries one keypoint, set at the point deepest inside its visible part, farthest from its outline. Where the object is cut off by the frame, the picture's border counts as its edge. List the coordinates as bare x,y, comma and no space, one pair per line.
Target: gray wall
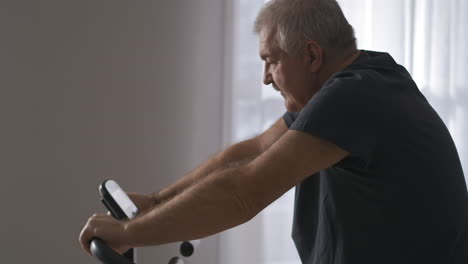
91,90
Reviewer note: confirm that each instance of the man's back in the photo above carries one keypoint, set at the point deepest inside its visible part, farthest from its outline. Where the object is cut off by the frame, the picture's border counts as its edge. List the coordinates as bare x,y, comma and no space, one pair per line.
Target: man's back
400,197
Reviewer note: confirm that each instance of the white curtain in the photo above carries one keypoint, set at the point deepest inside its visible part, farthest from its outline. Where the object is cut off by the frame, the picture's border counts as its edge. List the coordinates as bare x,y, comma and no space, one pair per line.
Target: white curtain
428,37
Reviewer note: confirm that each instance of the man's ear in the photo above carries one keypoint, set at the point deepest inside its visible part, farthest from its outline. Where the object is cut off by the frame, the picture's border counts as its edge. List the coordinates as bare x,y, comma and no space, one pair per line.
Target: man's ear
314,55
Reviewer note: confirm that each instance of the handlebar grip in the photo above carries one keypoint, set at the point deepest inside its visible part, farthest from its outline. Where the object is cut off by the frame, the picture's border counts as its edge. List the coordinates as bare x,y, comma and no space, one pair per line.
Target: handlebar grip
106,254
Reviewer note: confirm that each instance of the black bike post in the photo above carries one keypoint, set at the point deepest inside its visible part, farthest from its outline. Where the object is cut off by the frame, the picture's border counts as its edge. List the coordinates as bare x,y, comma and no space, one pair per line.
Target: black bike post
129,254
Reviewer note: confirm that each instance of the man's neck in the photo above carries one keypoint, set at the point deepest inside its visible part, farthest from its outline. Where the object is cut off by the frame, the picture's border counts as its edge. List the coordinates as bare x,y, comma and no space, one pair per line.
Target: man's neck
338,65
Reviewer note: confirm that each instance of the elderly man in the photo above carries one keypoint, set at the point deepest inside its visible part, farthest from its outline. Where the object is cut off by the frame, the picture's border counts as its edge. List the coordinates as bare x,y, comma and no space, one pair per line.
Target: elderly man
377,175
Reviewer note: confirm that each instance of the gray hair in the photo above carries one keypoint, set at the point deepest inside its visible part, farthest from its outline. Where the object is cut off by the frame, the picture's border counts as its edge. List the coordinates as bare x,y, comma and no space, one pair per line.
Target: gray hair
297,21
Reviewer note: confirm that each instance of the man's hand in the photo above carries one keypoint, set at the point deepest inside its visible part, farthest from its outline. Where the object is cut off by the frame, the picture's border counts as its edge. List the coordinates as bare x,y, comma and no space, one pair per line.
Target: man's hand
144,202
108,229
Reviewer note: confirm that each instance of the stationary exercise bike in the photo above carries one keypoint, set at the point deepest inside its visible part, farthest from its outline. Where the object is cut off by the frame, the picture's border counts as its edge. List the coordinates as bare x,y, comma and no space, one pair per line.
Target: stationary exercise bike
121,208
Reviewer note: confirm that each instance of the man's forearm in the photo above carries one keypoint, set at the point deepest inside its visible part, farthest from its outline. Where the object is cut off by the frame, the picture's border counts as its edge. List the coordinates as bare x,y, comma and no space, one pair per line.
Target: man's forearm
233,156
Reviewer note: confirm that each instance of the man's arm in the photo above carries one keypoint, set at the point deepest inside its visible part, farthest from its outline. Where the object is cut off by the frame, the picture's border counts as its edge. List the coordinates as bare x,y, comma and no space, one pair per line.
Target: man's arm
233,156
223,199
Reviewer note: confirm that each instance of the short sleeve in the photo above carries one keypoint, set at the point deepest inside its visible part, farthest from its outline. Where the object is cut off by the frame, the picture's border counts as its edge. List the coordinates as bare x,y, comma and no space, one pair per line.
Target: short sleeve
343,112
290,117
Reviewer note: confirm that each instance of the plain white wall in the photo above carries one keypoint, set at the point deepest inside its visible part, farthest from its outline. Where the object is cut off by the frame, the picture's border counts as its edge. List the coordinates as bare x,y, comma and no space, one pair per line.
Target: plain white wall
90,90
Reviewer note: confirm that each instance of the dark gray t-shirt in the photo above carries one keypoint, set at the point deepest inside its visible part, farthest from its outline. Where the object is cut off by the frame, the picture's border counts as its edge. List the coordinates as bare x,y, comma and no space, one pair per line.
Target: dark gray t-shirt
401,196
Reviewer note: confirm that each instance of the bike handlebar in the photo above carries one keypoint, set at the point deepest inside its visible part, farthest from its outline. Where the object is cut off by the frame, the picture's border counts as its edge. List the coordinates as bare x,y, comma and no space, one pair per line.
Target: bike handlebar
105,254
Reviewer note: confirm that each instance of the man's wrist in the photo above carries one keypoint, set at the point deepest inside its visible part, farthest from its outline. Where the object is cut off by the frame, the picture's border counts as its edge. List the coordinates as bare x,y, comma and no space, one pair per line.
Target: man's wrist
130,233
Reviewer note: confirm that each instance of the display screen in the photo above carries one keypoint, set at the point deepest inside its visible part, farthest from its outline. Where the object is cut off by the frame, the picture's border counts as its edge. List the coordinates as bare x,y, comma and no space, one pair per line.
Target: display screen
122,199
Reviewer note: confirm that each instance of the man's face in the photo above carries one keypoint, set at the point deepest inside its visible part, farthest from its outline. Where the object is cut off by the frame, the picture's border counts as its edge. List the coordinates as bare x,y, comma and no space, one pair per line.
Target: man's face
290,75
